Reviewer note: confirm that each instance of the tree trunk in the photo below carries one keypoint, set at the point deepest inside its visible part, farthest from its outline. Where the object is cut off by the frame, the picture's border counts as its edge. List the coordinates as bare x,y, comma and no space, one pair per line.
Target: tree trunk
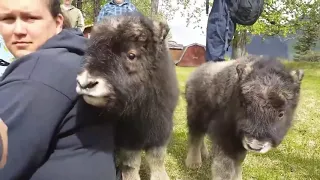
79,5
96,9
74,3
154,7
239,43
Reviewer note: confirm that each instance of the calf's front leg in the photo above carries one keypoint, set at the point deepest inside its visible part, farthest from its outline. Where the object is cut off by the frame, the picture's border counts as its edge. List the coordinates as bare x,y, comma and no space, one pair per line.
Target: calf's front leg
225,166
131,161
155,158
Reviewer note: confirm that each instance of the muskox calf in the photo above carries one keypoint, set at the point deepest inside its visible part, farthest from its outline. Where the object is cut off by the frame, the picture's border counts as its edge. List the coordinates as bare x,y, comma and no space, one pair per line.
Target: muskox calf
129,74
244,105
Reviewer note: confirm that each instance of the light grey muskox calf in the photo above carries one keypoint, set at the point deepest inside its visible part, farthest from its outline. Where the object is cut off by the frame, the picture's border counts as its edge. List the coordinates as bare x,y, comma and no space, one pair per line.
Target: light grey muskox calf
129,74
244,105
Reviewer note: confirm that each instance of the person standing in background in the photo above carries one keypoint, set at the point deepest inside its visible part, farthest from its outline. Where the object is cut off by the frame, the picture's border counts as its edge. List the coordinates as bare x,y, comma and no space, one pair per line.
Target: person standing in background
223,19
73,14
220,31
116,7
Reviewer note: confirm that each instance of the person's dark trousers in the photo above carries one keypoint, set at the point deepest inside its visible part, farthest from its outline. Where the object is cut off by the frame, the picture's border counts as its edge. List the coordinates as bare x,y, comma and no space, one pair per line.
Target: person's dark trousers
220,30
119,174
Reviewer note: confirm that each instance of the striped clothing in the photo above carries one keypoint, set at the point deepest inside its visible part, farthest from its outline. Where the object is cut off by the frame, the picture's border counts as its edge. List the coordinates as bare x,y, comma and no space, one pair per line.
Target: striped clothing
111,9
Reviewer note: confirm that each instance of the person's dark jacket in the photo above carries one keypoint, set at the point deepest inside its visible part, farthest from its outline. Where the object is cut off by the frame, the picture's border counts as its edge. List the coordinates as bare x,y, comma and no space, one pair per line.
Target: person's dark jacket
49,137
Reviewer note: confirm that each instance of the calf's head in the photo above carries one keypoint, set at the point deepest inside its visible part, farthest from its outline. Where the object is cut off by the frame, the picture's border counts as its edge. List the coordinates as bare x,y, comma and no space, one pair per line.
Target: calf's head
123,53
268,94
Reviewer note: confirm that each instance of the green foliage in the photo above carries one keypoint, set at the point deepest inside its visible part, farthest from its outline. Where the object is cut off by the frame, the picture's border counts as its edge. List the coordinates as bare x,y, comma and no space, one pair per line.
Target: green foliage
88,6
278,18
307,41
144,6
274,11
309,56
309,31
193,11
87,10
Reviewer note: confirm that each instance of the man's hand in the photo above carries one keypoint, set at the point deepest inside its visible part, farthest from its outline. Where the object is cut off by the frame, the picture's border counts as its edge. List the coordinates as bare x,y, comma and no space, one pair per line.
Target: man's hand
3,143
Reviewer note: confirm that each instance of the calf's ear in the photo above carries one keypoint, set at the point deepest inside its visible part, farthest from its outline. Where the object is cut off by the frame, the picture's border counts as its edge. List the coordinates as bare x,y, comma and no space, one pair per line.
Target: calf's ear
243,70
161,30
297,75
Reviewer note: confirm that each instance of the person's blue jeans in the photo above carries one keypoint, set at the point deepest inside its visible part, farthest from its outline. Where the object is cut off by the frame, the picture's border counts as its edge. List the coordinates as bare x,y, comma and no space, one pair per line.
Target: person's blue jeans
220,31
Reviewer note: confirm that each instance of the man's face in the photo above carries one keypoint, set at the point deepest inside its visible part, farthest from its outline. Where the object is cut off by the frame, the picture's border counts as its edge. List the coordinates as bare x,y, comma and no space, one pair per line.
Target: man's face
22,25
119,1
67,2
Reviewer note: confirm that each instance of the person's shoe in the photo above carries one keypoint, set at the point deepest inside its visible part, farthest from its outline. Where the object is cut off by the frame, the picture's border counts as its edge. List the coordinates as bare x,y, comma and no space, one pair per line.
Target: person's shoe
216,60
219,60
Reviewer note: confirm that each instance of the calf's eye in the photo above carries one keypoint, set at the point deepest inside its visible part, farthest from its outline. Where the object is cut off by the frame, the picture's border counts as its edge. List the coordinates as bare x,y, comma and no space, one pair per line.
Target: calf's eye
281,114
131,56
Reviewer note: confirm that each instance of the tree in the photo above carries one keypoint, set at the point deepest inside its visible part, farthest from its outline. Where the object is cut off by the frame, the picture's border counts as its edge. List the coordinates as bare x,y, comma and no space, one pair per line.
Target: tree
150,8
79,5
279,18
91,9
310,29
96,10
155,10
154,7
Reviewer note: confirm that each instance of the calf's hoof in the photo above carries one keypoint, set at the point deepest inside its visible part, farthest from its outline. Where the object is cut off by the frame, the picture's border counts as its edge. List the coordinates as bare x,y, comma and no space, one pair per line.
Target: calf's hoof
162,175
130,175
193,162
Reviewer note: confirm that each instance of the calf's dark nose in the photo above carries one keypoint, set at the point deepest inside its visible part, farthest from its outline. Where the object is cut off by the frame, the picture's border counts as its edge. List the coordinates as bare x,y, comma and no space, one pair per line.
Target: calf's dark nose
88,85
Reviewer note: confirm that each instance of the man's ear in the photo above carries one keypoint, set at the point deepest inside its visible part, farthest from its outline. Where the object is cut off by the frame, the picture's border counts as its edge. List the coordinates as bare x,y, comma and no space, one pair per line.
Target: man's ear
60,24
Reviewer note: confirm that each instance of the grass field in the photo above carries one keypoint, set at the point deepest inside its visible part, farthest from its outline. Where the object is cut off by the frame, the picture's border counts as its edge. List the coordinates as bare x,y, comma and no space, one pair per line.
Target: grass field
297,158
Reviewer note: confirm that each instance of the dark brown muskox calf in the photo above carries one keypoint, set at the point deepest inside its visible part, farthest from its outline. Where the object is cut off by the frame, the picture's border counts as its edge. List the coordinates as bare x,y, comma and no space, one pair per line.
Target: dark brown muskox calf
244,105
129,74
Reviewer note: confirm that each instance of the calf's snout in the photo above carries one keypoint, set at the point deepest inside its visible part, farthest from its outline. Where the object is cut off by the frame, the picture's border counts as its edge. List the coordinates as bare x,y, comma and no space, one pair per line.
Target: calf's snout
87,84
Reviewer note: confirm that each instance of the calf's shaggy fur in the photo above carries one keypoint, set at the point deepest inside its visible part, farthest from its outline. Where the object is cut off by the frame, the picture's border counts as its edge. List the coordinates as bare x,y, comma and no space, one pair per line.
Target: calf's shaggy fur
244,105
129,74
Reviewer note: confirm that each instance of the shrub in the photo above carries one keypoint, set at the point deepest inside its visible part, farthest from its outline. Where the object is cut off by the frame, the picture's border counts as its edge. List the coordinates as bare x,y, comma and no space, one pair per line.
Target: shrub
311,56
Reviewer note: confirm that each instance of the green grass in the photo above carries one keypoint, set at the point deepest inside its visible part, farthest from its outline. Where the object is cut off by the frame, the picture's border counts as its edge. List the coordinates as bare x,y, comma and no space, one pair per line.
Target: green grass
297,158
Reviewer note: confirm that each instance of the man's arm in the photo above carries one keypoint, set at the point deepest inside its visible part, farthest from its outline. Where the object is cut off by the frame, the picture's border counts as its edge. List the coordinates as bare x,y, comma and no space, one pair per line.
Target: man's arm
85,147
80,21
132,7
31,111
102,13
3,143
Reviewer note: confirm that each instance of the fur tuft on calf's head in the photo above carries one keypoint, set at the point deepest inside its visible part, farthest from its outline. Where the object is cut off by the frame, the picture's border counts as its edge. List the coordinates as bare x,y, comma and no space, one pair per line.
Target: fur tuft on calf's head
127,61
269,94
